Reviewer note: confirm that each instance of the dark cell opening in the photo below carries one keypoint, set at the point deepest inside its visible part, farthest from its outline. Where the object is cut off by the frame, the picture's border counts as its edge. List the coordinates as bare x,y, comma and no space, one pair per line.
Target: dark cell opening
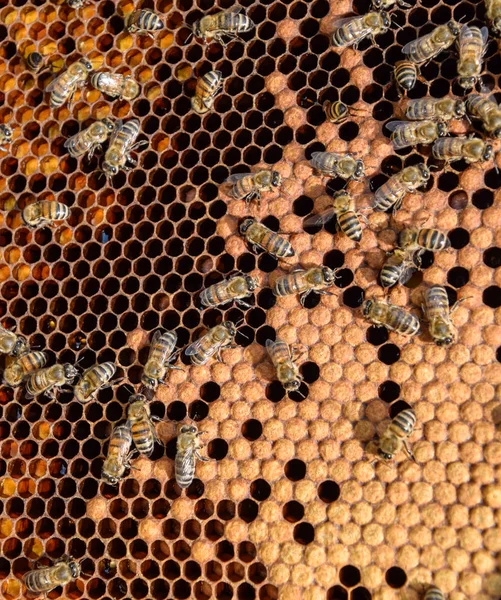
349,576
458,276
492,296
361,593
337,592
396,577
328,491
492,257
389,391
459,238
260,489
377,335
252,429
293,511
295,470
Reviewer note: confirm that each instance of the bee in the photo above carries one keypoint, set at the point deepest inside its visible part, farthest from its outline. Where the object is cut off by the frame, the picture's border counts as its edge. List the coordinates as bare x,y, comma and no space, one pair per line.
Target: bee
143,22
412,133
343,209
398,268
35,62
90,139
426,47
93,380
5,136
337,111
433,593
65,85
486,110
120,147
396,434
46,381
337,165
226,23
205,91
390,316
12,344
119,455
388,4
22,367
236,288
141,426
115,85
43,212
413,238
493,13
352,30
187,450
45,579
406,75
216,339
470,149
304,282
283,360
472,47
250,185
439,109
77,3
259,236
392,193
436,309
159,358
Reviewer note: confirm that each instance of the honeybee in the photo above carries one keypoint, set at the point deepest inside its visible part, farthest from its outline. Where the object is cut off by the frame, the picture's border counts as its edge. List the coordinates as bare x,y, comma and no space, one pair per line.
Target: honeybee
426,47
486,110
77,3
250,185
337,111
143,22
343,209
187,451
390,316
45,579
48,380
406,75
234,289
436,309
216,339
227,23
472,47
493,13
398,268
388,4
433,593
412,133
12,344
395,435
90,139
119,455
5,136
304,282
115,85
392,193
65,85
414,238
120,147
22,367
43,212
93,380
470,149
337,165
439,109
283,360
34,62
352,30
205,91
159,359
141,425
259,236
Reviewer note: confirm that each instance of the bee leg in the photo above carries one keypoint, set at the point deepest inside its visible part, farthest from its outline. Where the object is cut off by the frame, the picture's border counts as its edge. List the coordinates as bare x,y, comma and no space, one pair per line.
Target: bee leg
242,303
200,457
408,451
138,145
255,249
457,303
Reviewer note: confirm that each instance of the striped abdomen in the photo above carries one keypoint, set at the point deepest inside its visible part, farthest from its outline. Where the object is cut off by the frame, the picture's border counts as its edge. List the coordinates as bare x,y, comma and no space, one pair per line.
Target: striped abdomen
269,241
433,239
279,352
143,20
143,435
406,74
208,85
243,187
53,211
185,468
421,109
389,194
230,21
219,293
403,424
349,224
15,373
93,379
471,47
448,148
127,134
348,33
436,301
294,283
47,578
402,321
390,274
44,380
120,443
206,348
34,61
433,593
161,349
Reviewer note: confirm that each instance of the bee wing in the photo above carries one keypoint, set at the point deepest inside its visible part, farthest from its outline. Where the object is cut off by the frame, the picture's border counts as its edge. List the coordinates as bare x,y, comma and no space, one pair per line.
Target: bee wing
236,177
270,344
396,125
187,460
338,23
409,47
118,126
324,217
407,273
234,9
52,84
197,345
466,33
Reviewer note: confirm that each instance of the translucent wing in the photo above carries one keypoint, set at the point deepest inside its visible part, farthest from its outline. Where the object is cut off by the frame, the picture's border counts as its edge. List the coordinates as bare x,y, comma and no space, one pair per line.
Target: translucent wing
234,9
338,23
188,461
118,127
466,34
270,345
411,46
407,273
52,84
324,217
396,125
196,347
236,177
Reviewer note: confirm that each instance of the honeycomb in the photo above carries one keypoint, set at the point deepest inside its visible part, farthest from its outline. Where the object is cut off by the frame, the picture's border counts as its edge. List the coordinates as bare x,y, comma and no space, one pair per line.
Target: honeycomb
292,505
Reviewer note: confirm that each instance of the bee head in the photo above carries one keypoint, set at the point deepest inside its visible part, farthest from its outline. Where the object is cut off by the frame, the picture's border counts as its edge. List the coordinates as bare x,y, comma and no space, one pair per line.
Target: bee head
69,371
110,479
459,108
292,386
245,224
109,170
230,327
74,569
86,63
148,382
497,133
188,429
386,19
384,455
329,275
276,178
252,283
445,342
6,130
466,82
20,347
454,27
359,169
366,307
425,172
377,4
108,123
488,152
442,129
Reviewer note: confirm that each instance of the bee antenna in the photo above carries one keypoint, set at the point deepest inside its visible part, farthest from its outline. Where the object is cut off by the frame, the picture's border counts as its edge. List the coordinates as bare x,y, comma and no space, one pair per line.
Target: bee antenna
243,335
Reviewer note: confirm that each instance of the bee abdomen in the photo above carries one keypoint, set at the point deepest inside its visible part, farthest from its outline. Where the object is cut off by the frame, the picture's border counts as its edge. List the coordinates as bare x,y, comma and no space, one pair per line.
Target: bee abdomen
406,75
279,246
214,295
350,225
39,580
288,284
143,437
433,593
343,35
34,61
432,239
185,471
405,421
403,322
389,275
436,297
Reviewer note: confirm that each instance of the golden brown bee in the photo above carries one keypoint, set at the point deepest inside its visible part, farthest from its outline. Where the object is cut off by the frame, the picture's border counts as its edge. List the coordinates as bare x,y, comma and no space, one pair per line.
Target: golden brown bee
159,359
115,85
469,149
343,208
227,23
412,133
283,360
388,4
229,290
259,236
187,451
398,268
43,212
65,85
433,593
439,109
141,425
45,579
20,368
47,381
93,380
390,316
472,47
143,22
436,310
5,136
493,13
119,455
206,90
396,434
414,238
486,110
337,165
120,147
90,139
216,339
352,30
428,46
337,111
35,62
392,193
250,185
12,344
304,282
77,3
406,75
